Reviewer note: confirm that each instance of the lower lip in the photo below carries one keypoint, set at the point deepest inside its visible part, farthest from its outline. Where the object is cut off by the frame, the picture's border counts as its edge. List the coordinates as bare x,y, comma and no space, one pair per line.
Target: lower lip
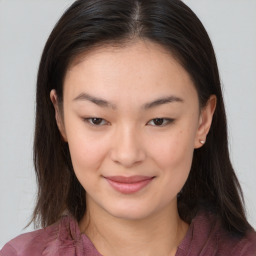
129,188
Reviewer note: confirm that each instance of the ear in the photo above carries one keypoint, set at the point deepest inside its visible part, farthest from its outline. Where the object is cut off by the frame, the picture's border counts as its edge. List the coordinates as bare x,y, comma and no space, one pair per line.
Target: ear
205,121
58,116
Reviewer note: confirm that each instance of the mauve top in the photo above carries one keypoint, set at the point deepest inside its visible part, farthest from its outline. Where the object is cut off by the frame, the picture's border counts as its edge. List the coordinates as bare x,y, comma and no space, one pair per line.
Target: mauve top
205,237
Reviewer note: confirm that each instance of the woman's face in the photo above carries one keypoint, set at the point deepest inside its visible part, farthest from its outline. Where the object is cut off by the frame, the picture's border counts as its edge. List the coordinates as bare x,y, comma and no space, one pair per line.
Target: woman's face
131,118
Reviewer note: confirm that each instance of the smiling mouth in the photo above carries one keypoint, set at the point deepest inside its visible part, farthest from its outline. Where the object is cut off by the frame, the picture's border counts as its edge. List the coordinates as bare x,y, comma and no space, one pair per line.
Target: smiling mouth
129,185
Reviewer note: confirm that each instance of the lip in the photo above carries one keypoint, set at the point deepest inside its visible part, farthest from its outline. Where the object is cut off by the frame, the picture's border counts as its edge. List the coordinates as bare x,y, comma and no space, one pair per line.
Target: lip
129,185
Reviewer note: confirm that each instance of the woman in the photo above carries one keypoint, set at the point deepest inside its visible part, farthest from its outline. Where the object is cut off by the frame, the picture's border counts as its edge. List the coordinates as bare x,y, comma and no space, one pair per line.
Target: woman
131,150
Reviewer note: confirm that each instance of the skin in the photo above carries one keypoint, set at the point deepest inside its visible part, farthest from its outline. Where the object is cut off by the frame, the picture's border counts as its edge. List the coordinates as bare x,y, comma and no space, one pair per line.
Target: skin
129,141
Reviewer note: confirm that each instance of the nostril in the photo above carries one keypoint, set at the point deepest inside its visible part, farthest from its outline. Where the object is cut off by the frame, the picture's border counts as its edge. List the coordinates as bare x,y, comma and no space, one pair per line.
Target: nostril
128,156
127,159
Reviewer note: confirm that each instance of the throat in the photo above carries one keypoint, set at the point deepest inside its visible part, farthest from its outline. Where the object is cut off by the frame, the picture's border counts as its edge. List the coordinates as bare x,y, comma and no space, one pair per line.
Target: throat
149,237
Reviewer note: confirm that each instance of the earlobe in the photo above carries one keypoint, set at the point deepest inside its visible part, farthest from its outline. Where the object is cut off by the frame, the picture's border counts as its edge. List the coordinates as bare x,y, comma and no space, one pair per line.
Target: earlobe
205,121
58,116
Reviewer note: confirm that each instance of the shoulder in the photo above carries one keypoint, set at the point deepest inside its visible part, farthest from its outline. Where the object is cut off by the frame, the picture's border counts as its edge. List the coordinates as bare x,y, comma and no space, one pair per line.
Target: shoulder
61,238
32,243
43,241
213,239
248,244
236,245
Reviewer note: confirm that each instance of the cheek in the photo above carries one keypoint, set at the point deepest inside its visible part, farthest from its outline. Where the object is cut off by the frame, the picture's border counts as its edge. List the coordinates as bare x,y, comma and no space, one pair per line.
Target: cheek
87,151
85,155
173,157
174,150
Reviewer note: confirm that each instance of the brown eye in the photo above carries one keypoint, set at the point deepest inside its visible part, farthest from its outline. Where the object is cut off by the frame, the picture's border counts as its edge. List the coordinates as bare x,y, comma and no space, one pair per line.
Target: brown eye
96,121
160,121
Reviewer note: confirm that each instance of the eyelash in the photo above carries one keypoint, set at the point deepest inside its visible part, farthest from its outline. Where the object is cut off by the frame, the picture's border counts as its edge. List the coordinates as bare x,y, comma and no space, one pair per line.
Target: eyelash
165,121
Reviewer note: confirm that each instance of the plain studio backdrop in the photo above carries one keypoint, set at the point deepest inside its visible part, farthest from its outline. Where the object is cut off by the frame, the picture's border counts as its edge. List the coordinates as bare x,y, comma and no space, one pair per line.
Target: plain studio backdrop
24,28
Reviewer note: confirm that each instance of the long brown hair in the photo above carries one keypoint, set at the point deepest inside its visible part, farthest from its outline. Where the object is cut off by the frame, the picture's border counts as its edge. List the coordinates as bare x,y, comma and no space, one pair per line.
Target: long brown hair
212,183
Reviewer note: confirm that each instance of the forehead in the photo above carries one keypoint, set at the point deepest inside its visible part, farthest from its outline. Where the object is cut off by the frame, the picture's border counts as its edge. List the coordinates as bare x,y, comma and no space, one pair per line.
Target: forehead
139,69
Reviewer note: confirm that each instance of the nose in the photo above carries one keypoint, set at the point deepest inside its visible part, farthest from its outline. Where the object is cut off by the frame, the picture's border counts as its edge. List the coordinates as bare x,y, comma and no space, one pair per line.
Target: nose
127,148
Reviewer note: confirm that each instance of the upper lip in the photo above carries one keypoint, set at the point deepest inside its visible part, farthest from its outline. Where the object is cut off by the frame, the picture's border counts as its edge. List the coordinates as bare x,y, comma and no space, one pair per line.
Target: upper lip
131,179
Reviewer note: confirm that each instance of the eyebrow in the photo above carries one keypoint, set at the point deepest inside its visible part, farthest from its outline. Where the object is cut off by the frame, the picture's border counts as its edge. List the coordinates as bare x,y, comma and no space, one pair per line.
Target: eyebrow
98,101
104,103
162,101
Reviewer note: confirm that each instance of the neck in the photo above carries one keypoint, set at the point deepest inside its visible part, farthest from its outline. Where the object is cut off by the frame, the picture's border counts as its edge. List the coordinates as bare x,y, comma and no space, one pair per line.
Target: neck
159,234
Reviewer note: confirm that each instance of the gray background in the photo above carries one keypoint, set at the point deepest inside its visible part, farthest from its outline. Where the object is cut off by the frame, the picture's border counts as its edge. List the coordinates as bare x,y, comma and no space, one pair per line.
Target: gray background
24,28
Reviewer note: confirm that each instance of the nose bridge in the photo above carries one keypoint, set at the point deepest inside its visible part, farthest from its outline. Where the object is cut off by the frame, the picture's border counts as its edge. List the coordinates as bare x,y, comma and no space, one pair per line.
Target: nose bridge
127,147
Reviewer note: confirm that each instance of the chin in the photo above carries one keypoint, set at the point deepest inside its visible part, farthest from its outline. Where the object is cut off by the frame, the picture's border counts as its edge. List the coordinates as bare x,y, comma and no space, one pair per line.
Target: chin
131,212
131,215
